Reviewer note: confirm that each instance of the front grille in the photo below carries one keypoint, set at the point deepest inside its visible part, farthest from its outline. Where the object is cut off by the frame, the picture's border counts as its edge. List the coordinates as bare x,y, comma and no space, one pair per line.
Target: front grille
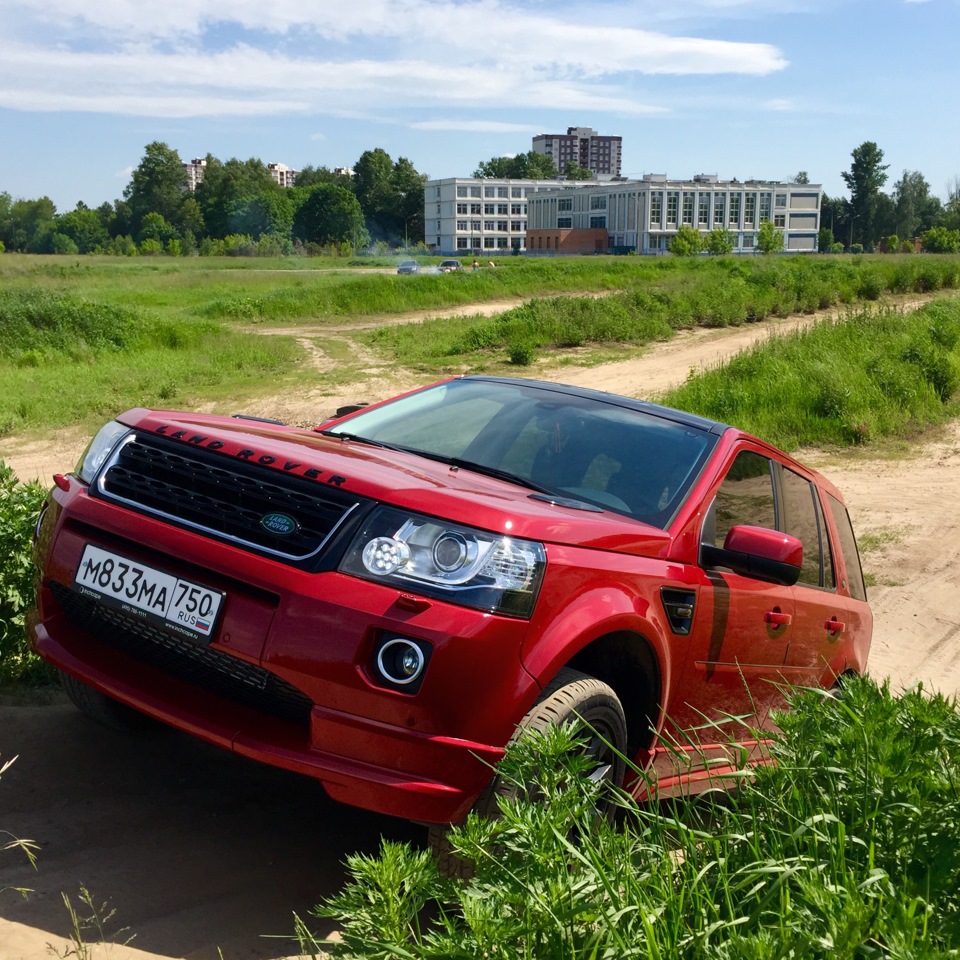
200,666
224,497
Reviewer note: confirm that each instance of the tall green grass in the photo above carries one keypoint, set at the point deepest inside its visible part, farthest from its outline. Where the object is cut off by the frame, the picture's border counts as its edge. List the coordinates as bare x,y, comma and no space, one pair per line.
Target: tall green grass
288,290
849,381
64,360
664,297
82,338
847,847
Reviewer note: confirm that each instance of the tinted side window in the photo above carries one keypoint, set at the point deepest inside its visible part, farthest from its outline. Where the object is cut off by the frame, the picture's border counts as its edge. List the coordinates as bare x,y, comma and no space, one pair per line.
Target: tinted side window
745,496
848,544
800,520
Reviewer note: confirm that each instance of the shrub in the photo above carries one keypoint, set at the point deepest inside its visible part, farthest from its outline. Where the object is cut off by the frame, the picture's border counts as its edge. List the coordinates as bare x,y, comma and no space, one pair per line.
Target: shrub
941,240
687,242
769,238
52,322
848,846
20,505
63,244
720,242
521,354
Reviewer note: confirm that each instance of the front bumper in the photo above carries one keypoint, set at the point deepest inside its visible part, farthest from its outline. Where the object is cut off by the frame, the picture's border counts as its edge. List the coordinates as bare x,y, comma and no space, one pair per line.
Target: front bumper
287,680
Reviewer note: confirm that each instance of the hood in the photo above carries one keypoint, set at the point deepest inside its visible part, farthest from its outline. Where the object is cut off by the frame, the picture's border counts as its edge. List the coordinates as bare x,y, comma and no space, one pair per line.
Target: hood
403,480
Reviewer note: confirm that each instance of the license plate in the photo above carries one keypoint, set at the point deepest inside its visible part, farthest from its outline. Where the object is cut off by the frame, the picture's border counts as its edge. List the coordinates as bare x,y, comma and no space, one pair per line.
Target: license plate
181,605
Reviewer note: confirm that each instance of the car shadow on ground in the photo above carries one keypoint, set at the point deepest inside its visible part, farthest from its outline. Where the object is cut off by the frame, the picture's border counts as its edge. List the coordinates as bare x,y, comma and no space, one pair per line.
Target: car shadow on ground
195,850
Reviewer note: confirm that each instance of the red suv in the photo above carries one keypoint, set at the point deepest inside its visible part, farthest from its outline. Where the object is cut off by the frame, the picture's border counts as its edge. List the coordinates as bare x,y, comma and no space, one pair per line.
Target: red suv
381,602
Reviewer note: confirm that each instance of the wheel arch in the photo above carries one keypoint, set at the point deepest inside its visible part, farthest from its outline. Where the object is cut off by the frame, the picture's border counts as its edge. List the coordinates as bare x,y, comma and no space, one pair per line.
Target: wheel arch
627,662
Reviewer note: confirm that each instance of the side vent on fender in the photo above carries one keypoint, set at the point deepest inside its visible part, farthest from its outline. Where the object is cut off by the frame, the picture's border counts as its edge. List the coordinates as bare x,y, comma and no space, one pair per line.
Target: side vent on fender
678,606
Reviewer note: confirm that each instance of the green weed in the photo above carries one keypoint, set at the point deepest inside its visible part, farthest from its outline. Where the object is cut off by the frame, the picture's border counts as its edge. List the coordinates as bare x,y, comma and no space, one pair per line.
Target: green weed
848,846
20,505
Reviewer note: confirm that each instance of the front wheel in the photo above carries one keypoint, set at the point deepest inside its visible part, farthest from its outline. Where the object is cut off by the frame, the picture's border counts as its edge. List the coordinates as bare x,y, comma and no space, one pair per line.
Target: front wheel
572,696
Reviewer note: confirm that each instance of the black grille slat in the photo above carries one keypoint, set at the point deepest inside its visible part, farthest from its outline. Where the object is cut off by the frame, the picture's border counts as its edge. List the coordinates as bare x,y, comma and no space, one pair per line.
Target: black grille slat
229,500
201,666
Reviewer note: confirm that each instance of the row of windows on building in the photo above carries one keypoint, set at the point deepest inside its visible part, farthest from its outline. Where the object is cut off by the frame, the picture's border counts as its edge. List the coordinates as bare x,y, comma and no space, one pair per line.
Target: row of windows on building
724,212
693,208
746,241
488,191
485,243
501,226
489,209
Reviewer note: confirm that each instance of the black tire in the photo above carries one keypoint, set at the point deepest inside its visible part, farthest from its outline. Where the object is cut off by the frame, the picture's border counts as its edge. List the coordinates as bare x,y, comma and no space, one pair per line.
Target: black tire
571,695
111,713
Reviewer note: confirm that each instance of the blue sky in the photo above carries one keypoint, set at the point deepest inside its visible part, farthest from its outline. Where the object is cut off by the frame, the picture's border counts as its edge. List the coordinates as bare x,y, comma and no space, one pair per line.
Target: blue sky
738,88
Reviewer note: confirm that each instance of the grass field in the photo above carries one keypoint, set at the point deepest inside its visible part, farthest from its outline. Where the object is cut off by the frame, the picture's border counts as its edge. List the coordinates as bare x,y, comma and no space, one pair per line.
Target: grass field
83,337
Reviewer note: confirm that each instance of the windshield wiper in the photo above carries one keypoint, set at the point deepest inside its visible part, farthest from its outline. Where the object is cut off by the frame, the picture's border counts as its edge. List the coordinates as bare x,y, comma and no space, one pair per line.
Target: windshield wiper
441,458
485,470
359,438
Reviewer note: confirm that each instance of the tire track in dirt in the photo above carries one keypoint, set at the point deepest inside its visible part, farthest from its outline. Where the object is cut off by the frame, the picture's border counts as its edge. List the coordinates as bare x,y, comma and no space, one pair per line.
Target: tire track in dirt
661,366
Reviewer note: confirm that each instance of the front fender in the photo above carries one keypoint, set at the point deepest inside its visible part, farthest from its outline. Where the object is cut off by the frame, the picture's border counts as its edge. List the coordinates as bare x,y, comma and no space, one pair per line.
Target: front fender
588,616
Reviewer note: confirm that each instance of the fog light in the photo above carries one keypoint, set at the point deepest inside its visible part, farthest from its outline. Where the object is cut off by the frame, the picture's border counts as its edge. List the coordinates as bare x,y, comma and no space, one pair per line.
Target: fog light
384,555
400,661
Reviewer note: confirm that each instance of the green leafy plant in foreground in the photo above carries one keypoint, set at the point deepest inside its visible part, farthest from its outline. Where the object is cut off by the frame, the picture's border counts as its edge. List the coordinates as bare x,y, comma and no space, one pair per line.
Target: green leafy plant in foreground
847,846
20,505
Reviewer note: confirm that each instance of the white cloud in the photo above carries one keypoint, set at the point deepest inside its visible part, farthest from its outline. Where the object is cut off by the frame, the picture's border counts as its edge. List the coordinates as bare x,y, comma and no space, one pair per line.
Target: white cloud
474,126
183,58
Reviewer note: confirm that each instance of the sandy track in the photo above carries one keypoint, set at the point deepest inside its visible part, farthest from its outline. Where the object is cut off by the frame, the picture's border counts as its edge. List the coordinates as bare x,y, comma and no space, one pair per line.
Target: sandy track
198,851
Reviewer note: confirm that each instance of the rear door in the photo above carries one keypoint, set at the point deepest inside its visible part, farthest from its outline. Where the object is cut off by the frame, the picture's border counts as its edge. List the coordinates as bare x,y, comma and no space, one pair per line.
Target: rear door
830,597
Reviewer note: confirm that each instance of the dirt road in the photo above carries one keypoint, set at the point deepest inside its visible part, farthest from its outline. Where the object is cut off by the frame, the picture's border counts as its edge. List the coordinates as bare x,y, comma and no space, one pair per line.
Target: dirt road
197,851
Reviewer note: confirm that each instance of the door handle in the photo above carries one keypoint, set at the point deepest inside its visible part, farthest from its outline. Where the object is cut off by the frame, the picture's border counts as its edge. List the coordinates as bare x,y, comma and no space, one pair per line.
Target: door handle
834,627
777,619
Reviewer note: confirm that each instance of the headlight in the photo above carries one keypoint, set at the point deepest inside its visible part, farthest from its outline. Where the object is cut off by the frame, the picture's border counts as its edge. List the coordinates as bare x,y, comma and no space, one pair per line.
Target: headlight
99,448
448,561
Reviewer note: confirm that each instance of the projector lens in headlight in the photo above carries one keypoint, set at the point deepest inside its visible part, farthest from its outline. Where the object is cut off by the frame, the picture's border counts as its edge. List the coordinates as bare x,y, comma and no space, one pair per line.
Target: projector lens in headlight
471,567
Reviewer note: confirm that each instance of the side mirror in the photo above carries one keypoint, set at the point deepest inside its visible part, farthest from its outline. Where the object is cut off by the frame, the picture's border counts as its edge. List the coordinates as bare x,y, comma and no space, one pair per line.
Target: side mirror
757,552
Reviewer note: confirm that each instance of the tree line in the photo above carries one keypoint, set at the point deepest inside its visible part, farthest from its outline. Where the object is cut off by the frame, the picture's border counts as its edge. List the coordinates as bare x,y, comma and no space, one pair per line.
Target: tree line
238,208
873,220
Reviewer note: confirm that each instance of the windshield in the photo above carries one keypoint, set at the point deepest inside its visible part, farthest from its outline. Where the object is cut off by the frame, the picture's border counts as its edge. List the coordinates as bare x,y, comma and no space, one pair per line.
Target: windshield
582,447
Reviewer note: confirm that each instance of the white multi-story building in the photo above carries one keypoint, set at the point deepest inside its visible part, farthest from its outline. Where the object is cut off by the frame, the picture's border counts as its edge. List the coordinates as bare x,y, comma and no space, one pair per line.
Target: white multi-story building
583,145
643,215
282,174
466,215
195,170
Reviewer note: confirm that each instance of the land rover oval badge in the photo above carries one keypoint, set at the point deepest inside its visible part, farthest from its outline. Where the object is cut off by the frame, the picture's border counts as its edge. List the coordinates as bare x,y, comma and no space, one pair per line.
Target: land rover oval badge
279,524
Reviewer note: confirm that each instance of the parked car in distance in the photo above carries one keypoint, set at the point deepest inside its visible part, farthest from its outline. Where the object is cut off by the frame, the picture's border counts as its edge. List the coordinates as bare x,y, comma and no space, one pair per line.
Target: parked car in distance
448,266
381,602
408,266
